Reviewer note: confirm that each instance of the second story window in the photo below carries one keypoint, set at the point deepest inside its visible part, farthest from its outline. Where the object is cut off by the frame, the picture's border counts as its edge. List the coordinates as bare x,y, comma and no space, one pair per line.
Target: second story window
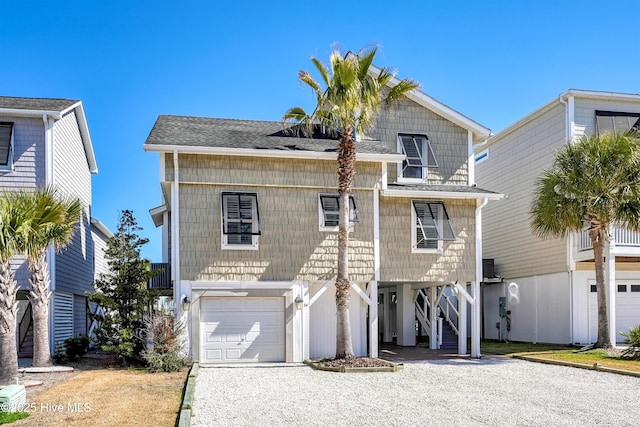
240,220
329,210
419,154
6,146
612,121
431,226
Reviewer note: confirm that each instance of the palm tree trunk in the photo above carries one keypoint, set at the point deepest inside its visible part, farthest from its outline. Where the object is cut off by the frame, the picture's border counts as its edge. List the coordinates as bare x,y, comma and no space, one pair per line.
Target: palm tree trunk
40,296
346,163
598,237
8,350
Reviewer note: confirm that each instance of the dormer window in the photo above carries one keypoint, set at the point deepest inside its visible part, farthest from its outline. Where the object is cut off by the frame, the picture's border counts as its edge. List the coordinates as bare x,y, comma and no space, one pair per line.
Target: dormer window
6,146
419,154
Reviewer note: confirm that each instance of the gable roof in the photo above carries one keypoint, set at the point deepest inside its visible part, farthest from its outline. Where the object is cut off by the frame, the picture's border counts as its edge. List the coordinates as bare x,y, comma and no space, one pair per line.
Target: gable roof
562,98
188,134
479,132
56,108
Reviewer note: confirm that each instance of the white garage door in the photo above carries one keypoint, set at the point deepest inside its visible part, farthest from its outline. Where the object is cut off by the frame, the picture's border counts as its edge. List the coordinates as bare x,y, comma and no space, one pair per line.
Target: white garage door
242,330
627,307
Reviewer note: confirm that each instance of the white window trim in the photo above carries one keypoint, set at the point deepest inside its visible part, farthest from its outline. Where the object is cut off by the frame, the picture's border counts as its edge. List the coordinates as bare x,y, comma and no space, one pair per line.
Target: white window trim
355,217
482,156
255,218
426,149
440,228
9,166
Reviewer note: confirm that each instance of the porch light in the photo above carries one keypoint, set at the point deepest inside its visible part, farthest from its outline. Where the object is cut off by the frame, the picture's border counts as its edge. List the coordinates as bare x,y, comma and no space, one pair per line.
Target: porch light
186,303
299,303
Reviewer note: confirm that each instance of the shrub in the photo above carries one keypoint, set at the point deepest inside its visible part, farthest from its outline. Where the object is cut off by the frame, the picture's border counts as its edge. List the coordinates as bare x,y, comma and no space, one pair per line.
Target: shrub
171,361
163,343
632,338
72,349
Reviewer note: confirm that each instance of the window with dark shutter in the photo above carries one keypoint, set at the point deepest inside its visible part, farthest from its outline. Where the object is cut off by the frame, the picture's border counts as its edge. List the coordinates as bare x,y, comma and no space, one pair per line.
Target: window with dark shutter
616,121
419,154
6,145
330,211
240,219
432,225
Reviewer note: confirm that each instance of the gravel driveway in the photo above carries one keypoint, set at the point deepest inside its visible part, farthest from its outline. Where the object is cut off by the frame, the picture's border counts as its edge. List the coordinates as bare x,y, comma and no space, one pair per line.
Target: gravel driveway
494,391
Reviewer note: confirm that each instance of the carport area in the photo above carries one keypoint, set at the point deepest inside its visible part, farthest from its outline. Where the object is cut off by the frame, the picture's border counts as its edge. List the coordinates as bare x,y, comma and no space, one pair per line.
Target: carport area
492,391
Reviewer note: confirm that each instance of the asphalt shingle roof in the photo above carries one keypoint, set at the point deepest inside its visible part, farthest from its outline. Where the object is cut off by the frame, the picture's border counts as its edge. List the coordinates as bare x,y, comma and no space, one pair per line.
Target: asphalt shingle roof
439,188
187,131
44,104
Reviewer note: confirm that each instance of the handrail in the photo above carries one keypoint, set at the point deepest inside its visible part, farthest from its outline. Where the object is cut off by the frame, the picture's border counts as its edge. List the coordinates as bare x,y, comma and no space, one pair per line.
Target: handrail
447,314
22,332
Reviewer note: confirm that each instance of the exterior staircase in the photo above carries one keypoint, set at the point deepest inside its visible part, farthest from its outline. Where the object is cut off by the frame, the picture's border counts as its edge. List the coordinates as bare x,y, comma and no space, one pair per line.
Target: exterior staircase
449,338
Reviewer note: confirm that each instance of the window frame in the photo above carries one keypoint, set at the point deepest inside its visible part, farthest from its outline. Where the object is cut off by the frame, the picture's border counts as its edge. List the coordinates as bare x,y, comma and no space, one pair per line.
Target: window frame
421,162
437,224
354,214
614,115
482,156
9,164
256,230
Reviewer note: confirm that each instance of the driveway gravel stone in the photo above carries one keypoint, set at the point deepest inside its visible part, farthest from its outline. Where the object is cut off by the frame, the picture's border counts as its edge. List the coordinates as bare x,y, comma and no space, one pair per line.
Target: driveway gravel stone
493,391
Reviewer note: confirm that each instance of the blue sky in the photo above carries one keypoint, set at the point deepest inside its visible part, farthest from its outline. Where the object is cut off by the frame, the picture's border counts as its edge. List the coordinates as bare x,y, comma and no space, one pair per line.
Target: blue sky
129,61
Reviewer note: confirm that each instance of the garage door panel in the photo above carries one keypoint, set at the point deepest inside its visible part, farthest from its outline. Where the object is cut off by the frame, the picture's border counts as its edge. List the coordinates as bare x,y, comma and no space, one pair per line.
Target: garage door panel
242,330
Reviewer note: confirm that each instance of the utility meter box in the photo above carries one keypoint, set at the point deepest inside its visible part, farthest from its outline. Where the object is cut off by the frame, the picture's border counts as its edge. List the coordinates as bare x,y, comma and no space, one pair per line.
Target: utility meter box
502,304
12,398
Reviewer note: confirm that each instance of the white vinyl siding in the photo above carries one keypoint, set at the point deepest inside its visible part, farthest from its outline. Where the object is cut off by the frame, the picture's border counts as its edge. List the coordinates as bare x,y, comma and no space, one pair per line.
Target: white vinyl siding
63,317
516,161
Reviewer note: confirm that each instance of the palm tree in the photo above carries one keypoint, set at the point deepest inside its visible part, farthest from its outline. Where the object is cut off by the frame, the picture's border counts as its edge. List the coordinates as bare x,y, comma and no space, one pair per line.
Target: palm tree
347,104
51,221
10,220
593,184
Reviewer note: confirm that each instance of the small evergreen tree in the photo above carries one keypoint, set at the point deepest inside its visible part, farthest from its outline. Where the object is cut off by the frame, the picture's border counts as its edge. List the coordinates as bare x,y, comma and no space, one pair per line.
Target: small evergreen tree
123,294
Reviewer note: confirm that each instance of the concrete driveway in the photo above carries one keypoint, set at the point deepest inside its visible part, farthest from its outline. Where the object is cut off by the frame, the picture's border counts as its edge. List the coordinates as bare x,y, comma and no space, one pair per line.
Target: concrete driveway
493,391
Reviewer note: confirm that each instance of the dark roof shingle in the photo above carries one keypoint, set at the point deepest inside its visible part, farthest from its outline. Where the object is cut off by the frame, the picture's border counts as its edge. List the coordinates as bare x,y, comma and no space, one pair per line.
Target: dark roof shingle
44,104
187,131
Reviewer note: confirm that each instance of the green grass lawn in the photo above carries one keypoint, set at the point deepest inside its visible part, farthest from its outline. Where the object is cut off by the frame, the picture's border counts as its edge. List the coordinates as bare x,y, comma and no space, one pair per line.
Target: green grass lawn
9,417
561,353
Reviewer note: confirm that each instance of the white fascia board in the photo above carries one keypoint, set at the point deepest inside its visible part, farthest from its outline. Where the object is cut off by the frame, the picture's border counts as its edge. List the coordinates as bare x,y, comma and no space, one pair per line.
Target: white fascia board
247,152
157,214
441,194
28,113
601,95
98,225
239,286
86,138
480,132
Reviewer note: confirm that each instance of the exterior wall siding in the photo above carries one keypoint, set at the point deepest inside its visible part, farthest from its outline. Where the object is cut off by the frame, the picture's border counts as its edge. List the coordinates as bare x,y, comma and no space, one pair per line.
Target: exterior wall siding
398,264
514,164
449,141
74,264
585,112
28,171
291,246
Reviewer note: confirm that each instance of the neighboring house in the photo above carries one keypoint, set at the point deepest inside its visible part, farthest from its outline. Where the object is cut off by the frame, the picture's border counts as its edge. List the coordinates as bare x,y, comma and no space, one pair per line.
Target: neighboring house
556,278
46,142
249,219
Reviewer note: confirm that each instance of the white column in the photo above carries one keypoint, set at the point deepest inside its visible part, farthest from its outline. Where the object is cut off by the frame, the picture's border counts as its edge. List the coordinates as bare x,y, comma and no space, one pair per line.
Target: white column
386,316
476,320
462,324
373,319
433,318
405,314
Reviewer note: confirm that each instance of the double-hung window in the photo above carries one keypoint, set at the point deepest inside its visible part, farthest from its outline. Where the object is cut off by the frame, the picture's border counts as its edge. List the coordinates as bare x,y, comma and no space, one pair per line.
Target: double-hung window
431,226
329,212
240,220
419,154
6,146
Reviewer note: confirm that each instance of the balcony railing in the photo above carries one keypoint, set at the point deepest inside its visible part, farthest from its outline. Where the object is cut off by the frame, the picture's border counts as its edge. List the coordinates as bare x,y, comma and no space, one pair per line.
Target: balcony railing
621,237
162,280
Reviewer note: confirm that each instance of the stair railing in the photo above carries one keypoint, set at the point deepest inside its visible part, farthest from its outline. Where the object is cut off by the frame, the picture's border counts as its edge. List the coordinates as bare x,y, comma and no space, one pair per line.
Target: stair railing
450,312
23,326
421,311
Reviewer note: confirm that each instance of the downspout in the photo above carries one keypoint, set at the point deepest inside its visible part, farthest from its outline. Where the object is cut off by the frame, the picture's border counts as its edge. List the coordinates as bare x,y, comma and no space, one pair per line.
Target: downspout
175,232
476,308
